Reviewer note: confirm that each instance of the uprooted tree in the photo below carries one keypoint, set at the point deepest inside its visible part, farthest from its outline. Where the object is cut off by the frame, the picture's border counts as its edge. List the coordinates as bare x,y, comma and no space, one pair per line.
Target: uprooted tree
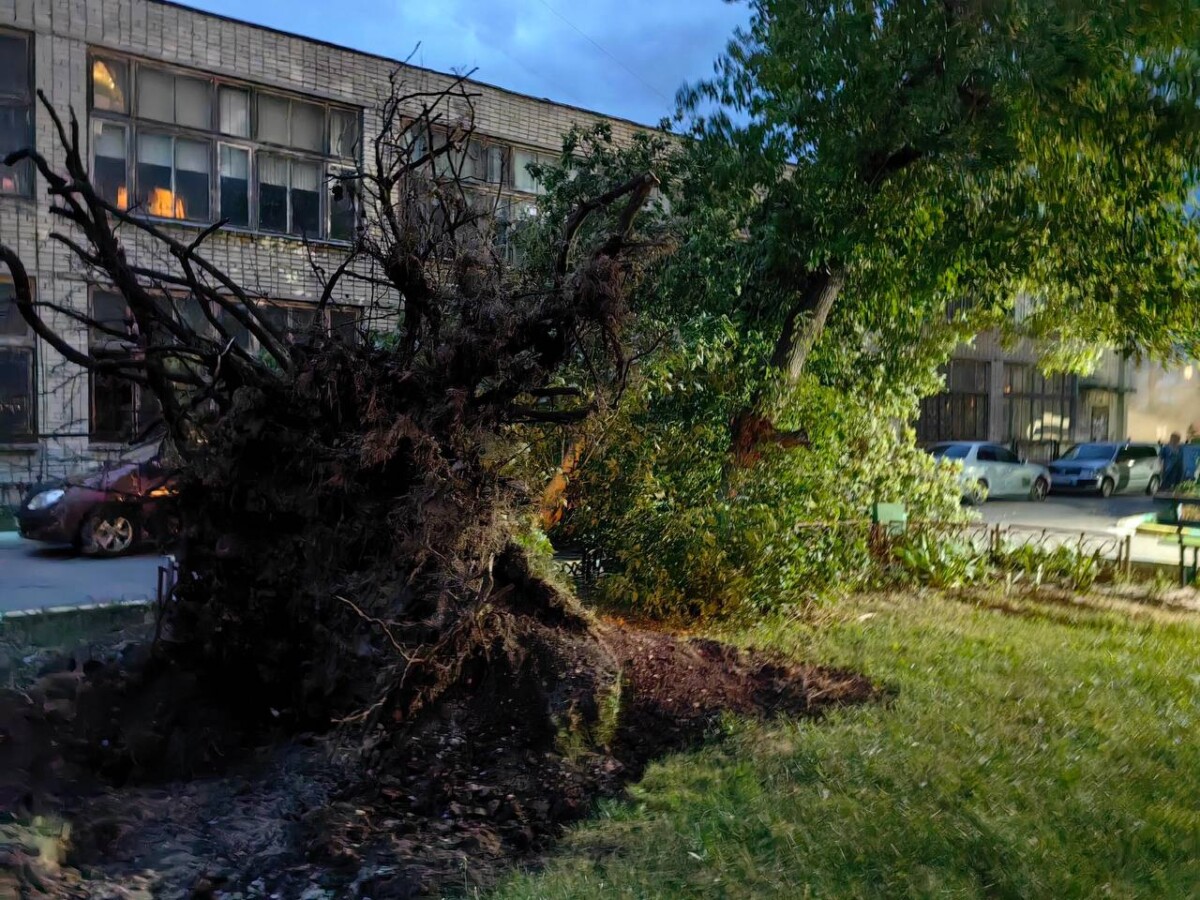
351,546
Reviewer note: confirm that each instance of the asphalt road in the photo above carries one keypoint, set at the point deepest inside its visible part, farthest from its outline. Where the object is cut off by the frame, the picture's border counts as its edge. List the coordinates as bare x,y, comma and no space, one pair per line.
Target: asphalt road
1085,513
34,576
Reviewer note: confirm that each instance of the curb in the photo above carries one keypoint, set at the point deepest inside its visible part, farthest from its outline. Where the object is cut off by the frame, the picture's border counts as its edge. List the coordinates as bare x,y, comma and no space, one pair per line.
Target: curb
1131,523
81,607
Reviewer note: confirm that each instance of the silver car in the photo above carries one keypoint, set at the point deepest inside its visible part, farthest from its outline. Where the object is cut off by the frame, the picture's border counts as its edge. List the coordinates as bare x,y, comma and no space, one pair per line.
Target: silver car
1107,469
989,470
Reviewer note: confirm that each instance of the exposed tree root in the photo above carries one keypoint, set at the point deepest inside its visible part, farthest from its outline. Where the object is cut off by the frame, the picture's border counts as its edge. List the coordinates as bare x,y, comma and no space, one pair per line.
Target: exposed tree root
485,780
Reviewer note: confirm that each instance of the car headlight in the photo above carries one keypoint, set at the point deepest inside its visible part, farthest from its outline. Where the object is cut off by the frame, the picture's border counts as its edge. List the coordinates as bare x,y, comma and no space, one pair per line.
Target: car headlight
46,499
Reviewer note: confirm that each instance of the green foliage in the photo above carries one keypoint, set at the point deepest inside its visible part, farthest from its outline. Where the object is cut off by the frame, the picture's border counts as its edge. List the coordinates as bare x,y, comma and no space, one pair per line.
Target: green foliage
968,154
682,534
1062,565
945,560
1030,749
942,561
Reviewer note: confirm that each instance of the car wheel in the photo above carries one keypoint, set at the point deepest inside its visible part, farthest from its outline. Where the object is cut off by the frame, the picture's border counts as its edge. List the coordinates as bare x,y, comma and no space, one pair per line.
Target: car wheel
1041,487
1152,487
978,493
107,532
1107,486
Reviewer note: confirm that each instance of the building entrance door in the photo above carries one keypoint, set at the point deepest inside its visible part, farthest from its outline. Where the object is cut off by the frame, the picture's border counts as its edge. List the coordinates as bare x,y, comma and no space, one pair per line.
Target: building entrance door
1099,423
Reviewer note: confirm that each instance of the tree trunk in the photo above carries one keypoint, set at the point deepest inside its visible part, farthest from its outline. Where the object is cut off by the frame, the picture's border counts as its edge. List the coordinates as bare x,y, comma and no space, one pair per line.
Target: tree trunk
554,498
805,322
751,428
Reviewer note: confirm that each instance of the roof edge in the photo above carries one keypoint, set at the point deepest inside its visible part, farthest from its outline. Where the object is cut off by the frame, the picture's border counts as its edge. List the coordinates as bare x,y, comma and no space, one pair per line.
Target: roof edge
399,62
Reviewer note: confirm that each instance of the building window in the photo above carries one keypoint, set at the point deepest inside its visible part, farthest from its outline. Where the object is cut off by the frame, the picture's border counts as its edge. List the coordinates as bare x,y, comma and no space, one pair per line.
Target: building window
16,110
17,373
523,179
960,413
120,411
173,176
235,185
110,85
165,150
109,164
344,203
1037,407
292,321
476,161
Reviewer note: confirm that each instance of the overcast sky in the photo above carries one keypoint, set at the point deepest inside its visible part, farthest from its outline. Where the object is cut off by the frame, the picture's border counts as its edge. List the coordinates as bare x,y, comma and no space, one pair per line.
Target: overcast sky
621,57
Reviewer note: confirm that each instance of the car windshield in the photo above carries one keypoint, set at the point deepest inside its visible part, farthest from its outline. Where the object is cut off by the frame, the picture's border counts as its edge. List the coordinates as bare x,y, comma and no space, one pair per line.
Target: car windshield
1088,451
951,451
142,453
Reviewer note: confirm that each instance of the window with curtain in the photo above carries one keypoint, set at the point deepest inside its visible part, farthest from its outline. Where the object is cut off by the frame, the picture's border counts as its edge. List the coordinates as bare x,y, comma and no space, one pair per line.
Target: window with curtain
523,179
272,192
109,165
234,107
154,152
305,198
235,185
193,160
16,109
174,176
343,204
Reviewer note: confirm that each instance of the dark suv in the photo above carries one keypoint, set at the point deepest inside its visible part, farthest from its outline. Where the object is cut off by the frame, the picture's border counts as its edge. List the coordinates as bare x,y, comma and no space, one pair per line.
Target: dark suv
1107,468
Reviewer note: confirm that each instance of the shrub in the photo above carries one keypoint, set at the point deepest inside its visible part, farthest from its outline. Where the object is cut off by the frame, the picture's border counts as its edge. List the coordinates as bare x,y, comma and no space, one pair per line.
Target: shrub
680,534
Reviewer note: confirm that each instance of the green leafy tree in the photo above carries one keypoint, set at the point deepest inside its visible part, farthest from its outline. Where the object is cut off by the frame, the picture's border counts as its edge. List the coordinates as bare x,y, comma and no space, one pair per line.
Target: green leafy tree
878,182
903,155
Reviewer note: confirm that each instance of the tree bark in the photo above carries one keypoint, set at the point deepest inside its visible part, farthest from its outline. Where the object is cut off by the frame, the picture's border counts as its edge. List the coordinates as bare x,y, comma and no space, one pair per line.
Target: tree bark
805,322
751,428
554,498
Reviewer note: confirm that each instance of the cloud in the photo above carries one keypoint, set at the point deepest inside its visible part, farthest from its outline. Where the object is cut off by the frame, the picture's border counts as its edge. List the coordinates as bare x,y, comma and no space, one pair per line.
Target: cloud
613,56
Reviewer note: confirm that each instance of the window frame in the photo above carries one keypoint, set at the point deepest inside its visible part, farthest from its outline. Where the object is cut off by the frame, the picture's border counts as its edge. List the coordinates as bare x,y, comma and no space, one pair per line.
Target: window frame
540,157
238,144
962,410
27,341
135,125
175,138
13,101
288,306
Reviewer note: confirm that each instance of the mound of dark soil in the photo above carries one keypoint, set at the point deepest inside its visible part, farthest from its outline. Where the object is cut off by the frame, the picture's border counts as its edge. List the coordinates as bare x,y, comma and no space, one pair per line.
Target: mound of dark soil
441,807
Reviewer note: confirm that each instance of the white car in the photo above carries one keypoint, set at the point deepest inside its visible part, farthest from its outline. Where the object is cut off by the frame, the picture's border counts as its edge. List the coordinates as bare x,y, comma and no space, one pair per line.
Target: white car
989,470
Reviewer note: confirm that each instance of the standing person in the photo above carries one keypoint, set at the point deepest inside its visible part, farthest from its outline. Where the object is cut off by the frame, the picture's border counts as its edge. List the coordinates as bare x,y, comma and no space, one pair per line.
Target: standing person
1172,463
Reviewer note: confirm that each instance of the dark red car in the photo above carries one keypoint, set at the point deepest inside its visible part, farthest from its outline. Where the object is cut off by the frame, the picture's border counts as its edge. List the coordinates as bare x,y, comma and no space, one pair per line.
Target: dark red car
107,512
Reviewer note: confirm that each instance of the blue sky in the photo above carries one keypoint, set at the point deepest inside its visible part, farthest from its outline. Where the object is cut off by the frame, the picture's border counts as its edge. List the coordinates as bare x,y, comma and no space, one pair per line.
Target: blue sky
621,57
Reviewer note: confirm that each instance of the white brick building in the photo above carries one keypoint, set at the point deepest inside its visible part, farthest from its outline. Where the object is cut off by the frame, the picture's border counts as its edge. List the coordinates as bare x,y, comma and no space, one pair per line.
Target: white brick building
192,117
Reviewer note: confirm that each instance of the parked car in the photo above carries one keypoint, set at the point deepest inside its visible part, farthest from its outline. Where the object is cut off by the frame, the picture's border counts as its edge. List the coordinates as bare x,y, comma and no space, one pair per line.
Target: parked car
990,470
1107,468
107,512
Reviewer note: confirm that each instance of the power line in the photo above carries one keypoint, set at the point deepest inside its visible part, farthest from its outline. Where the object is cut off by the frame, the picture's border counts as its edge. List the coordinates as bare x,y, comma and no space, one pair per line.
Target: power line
595,44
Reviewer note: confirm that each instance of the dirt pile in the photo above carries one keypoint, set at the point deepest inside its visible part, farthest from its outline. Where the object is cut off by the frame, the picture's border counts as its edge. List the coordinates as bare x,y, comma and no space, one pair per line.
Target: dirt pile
105,797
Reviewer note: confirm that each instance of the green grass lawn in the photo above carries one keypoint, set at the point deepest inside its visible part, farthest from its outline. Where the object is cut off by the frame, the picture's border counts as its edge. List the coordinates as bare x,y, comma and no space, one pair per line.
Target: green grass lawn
1047,750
